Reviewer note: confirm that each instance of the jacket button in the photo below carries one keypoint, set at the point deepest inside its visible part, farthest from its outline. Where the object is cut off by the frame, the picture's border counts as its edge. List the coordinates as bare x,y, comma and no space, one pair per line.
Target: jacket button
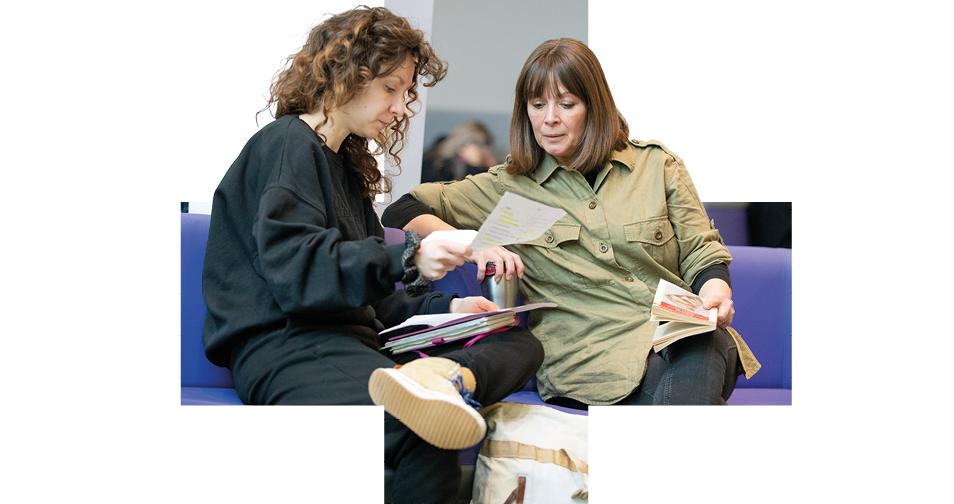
592,205
549,238
603,247
629,279
658,235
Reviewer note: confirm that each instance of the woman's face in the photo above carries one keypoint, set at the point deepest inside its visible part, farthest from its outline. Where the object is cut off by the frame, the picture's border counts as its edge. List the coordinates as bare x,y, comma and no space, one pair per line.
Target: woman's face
558,122
376,106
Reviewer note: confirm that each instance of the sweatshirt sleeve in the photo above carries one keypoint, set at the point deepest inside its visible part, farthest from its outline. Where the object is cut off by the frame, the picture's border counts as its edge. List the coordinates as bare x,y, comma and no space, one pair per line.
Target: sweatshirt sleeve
398,307
309,267
404,210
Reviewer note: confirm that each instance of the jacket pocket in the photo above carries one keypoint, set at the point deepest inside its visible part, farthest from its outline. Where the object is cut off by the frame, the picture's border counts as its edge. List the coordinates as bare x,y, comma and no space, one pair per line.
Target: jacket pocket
657,238
555,258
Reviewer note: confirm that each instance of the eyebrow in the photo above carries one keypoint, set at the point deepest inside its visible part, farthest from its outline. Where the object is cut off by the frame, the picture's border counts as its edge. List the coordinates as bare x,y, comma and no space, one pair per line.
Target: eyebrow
558,96
396,76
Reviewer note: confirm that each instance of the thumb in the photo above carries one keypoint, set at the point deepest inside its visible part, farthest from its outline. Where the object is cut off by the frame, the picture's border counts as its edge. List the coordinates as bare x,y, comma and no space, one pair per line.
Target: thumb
487,305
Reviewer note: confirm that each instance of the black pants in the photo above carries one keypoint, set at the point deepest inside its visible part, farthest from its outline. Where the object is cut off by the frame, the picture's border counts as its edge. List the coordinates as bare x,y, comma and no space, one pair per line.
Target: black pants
328,369
700,369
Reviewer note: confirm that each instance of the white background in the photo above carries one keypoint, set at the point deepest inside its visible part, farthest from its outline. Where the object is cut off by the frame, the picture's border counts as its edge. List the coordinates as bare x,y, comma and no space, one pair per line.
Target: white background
118,111
844,109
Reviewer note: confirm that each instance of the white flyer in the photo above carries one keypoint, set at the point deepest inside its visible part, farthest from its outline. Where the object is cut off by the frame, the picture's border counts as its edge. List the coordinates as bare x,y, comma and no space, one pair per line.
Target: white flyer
515,219
465,236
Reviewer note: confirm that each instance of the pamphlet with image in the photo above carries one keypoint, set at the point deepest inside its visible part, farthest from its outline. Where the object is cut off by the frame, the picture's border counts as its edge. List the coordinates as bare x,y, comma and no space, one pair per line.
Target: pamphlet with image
682,313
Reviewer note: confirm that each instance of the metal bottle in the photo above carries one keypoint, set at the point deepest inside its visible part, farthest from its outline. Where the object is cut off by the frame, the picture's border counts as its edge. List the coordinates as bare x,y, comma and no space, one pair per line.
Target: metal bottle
503,294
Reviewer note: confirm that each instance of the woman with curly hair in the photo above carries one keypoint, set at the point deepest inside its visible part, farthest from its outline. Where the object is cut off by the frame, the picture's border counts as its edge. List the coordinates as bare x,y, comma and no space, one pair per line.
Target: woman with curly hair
298,279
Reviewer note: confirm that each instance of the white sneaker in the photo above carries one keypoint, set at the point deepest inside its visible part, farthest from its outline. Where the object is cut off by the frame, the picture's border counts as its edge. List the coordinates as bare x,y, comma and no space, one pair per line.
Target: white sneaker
426,395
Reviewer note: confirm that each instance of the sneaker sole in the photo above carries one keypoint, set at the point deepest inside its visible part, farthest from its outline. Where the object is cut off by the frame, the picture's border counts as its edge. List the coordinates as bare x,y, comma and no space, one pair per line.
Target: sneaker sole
434,417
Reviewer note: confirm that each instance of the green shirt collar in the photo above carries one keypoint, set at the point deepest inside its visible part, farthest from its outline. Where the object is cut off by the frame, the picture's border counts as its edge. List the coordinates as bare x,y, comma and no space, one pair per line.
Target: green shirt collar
625,157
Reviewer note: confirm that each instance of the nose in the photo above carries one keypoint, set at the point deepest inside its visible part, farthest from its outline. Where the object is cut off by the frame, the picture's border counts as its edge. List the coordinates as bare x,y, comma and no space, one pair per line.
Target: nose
553,116
398,106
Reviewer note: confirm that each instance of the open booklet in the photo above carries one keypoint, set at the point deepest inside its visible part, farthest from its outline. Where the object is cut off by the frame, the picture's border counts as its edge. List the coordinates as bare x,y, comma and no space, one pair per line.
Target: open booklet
683,313
422,331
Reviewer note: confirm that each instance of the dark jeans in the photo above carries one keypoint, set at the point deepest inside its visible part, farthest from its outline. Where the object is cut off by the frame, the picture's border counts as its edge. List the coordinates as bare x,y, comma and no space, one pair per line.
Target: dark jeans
330,369
700,369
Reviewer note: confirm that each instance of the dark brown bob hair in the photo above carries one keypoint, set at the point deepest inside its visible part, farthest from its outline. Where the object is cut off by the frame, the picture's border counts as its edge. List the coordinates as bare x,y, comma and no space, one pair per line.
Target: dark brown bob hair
570,63
341,57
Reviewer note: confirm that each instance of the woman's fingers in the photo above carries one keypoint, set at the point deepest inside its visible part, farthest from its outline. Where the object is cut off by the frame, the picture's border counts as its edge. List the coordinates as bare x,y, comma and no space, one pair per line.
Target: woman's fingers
435,258
505,263
726,308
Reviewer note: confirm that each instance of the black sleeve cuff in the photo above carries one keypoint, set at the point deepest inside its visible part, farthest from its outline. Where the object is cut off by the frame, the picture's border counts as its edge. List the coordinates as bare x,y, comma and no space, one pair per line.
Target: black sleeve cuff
402,211
441,304
719,270
414,282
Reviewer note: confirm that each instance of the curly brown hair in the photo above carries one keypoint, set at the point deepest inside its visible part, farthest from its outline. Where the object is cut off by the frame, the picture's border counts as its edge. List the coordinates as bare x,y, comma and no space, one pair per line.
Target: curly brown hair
341,57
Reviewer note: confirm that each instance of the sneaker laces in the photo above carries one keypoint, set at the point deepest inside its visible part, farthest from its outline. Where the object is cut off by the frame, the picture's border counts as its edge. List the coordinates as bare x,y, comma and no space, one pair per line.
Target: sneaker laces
468,395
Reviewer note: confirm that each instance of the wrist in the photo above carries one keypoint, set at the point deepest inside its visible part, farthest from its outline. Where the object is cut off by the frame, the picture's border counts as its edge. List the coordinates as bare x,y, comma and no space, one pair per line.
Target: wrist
414,282
716,286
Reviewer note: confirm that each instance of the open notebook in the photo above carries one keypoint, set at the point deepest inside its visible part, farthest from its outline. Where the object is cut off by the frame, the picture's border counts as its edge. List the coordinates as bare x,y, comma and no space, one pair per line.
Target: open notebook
422,331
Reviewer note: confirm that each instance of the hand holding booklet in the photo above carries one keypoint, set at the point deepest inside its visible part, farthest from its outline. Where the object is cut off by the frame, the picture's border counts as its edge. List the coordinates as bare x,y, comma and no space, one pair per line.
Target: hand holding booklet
422,331
683,313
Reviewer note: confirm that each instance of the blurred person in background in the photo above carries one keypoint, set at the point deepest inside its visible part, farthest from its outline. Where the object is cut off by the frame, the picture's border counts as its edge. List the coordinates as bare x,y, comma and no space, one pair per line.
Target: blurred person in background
468,150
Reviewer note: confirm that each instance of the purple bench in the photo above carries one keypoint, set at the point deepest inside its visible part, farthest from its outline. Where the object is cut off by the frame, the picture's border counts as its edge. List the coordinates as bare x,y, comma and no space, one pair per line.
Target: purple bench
761,285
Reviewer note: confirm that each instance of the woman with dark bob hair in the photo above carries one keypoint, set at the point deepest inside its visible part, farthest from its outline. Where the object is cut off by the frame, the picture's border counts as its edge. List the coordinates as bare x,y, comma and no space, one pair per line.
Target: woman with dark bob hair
298,279
633,218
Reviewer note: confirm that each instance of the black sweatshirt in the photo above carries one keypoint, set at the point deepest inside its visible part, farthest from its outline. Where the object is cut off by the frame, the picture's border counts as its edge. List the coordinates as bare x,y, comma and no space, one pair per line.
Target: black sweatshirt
294,247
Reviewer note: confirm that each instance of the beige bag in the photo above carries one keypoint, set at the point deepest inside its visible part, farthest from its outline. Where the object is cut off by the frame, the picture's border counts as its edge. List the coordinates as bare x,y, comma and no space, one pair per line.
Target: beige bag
532,454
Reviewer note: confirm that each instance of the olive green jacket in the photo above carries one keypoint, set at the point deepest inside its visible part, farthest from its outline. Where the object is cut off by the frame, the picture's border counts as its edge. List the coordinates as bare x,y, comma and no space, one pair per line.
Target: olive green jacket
600,263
